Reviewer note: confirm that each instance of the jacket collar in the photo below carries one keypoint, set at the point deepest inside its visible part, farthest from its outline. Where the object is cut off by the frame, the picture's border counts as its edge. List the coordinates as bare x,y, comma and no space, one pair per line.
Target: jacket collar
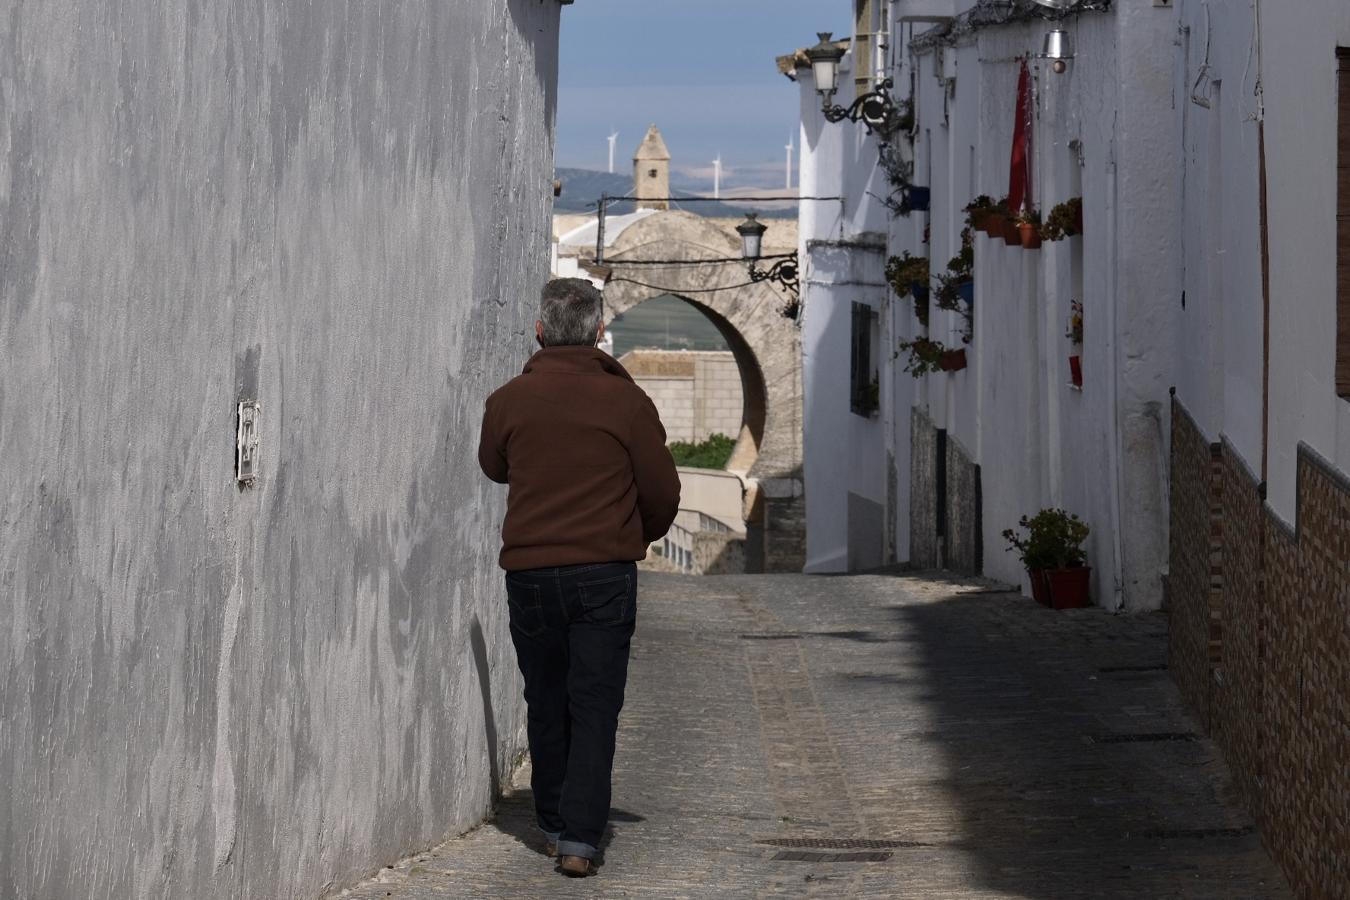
576,360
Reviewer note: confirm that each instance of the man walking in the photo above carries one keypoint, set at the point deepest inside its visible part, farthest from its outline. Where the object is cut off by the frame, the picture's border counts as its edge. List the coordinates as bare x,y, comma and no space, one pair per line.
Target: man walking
592,484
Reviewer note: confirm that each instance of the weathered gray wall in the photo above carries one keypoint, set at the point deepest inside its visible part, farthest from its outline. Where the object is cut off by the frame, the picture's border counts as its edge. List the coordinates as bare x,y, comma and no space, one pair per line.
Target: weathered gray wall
341,209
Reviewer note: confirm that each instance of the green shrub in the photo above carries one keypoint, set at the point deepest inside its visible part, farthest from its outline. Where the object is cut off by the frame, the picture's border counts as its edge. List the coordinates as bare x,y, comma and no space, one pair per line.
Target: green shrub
714,453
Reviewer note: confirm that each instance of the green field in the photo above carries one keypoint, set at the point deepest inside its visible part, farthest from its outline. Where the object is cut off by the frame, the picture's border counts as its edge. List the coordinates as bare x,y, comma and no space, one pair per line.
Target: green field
665,323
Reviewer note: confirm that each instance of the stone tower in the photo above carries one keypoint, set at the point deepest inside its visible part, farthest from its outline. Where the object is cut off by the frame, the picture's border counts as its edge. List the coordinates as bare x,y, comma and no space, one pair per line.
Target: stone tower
651,172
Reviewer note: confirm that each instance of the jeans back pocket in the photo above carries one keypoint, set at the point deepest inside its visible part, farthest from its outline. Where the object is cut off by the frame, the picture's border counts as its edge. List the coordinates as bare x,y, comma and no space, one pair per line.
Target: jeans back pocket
526,606
607,599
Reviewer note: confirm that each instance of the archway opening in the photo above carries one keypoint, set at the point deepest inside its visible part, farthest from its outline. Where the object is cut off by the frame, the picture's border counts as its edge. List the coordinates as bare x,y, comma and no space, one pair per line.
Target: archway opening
698,369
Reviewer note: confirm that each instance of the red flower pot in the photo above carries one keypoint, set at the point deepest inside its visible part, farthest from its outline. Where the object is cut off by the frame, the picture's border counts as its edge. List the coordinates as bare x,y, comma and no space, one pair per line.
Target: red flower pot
1076,370
1069,588
953,360
1031,235
1078,220
1039,592
1012,234
979,219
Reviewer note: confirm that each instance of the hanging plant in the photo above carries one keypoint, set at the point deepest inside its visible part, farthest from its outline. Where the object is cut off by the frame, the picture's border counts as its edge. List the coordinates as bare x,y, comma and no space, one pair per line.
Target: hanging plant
1029,228
908,277
925,356
956,287
1065,220
978,212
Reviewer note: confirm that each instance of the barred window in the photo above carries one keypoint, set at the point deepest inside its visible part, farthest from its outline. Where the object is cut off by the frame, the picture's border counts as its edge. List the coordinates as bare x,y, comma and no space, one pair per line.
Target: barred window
864,387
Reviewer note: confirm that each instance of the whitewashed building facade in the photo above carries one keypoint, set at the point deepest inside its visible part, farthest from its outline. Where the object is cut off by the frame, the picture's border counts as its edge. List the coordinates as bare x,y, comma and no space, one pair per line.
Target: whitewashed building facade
1205,436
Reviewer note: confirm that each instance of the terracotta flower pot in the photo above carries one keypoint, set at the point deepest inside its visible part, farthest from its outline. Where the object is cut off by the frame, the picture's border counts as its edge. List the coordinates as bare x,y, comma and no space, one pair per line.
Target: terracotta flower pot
979,219
1076,370
1012,235
1078,220
1069,588
1039,592
1031,235
953,360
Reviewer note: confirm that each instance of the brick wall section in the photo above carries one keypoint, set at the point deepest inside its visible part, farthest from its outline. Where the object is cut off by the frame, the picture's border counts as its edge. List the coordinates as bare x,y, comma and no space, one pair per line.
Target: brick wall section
1276,691
1192,554
1235,698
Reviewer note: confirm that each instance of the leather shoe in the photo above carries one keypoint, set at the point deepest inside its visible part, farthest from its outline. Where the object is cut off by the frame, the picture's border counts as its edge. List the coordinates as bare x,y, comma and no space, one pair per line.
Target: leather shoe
576,866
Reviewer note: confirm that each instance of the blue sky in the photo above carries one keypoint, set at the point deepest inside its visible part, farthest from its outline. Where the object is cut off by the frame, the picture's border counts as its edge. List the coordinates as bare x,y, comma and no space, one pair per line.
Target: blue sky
702,70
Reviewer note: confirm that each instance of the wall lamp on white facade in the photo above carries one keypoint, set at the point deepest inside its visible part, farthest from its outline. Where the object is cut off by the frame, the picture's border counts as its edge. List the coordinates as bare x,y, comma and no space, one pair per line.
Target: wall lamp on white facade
783,272
1058,48
1059,5
876,109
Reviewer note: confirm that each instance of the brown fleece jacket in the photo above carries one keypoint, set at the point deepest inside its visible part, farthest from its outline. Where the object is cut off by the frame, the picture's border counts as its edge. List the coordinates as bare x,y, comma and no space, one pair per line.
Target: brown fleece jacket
584,452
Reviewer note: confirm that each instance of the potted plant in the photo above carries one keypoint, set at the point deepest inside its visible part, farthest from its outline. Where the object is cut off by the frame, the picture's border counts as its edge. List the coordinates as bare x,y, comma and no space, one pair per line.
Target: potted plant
1075,335
1065,220
925,355
979,211
916,197
1052,552
908,277
1029,228
953,360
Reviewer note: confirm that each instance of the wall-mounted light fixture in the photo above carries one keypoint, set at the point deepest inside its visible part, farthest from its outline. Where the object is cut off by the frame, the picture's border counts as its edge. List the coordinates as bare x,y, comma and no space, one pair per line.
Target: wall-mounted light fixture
1058,48
783,272
876,109
1059,5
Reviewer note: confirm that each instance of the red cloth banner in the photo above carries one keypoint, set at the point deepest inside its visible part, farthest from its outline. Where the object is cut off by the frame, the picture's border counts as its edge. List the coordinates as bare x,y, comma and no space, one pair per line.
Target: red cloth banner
1019,172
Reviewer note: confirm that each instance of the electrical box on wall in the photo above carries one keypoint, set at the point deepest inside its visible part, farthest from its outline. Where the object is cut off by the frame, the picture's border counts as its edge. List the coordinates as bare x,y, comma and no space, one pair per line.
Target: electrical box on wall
246,442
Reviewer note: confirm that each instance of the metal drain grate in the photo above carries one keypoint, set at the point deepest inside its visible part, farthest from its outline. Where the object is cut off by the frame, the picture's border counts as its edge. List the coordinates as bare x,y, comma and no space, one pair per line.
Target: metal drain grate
839,843
810,856
1144,738
1200,833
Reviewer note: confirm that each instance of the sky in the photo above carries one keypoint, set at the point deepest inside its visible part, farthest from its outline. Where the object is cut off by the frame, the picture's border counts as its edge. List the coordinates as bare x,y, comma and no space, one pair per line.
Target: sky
702,70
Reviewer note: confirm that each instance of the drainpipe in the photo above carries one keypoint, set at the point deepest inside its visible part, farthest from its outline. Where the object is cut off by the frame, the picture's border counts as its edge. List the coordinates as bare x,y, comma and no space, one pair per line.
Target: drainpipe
1113,360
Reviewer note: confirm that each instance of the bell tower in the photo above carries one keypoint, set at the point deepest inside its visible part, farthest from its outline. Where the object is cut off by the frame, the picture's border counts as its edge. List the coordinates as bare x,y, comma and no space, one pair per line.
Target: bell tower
651,172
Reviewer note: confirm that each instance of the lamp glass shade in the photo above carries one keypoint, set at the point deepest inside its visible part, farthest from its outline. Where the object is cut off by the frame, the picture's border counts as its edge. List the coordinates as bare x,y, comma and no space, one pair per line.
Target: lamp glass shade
825,58
1058,45
752,236
1058,4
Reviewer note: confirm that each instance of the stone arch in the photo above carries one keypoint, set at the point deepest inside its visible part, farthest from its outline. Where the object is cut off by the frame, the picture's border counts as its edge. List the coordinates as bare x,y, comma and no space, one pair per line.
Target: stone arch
767,348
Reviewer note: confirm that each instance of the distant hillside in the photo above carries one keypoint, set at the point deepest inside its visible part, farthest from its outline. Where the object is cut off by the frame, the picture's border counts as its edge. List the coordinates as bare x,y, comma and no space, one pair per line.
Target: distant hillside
582,189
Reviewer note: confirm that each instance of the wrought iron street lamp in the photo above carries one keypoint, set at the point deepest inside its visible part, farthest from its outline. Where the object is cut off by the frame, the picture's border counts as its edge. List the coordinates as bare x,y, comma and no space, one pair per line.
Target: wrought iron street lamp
784,270
877,110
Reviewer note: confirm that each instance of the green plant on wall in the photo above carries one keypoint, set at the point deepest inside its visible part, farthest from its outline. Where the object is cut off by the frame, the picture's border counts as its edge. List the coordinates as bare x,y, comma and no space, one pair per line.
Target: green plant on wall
908,277
1064,220
713,453
925,355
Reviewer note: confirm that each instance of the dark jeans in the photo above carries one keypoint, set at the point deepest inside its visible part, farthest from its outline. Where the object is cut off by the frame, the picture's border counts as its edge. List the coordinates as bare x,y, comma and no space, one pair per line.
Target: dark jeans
572,626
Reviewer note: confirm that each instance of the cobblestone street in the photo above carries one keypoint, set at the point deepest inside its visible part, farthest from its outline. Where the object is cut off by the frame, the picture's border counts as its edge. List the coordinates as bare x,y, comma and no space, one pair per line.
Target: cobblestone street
885,736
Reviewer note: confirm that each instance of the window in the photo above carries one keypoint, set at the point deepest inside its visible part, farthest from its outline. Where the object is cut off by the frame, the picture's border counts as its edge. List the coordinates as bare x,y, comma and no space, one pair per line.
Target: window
864,385
1343,225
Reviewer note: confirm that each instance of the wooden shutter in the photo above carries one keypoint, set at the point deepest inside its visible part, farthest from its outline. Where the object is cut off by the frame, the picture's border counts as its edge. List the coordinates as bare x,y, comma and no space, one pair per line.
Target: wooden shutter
1343,223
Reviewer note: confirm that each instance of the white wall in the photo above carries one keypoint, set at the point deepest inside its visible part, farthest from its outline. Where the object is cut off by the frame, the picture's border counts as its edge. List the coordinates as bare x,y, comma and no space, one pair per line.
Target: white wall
842,246
1300,101
215,691
1038,441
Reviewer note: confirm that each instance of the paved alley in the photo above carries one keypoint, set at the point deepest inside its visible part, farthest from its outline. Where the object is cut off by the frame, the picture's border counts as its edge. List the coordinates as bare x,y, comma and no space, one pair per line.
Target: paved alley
885,736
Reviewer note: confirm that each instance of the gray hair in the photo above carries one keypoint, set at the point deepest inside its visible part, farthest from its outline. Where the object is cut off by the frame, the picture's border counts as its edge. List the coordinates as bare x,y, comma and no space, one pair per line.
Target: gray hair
571,309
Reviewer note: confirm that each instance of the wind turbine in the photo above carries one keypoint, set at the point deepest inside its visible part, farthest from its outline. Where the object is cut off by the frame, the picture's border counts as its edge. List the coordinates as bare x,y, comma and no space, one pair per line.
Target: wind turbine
612,138
790,148
717,177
